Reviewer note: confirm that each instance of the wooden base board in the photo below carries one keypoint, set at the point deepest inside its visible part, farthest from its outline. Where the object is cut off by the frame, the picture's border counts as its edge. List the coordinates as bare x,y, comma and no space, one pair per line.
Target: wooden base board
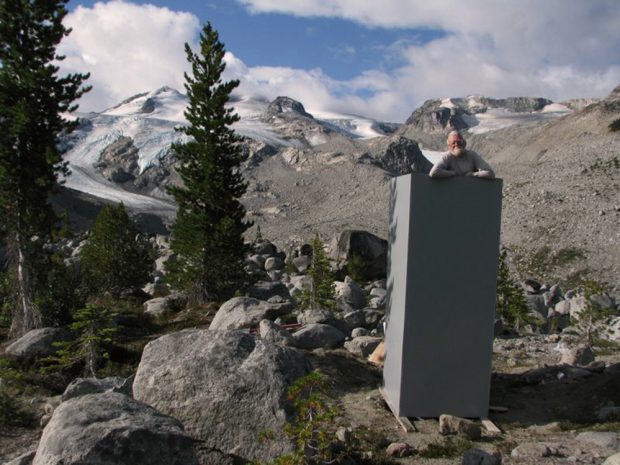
402,421
409,427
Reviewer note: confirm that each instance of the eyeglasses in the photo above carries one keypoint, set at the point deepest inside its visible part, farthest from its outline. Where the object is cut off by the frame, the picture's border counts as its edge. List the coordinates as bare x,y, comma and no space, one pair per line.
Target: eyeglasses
458,142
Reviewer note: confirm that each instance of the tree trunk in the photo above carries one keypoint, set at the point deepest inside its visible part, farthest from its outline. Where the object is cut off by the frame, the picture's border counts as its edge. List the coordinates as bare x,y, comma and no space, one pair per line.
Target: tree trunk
26,315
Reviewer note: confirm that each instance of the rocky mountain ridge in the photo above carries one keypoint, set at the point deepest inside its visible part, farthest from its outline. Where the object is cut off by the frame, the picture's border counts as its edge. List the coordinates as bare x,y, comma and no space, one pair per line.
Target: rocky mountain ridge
311,175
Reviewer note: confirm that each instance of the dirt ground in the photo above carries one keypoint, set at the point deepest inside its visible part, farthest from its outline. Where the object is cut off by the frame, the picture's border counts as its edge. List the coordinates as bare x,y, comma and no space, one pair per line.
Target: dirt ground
540,402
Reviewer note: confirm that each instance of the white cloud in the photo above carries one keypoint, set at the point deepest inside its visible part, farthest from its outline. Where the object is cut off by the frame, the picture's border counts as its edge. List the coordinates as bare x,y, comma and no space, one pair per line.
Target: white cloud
555,49
127,48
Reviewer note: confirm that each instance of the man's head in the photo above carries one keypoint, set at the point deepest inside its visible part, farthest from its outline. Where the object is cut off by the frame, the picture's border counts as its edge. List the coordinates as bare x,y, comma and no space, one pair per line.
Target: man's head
456,144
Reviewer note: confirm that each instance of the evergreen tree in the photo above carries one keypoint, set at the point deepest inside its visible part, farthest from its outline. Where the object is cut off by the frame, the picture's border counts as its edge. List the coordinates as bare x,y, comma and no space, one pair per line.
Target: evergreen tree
116,257
32,99
208,233
93,328
511,304
321,293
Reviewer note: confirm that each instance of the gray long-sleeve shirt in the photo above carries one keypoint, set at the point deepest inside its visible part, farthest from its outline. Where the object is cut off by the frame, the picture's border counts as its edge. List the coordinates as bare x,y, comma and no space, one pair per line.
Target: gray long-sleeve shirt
468,164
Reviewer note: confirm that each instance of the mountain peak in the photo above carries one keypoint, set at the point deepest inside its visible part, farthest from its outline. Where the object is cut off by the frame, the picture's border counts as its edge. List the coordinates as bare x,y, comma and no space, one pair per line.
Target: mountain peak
287,105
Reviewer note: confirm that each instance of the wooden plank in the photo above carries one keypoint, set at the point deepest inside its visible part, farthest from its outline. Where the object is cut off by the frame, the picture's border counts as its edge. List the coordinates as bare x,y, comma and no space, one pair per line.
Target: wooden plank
402,421
490,427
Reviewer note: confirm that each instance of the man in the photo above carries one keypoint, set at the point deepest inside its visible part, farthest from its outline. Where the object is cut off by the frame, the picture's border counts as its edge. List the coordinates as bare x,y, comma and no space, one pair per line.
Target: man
460,162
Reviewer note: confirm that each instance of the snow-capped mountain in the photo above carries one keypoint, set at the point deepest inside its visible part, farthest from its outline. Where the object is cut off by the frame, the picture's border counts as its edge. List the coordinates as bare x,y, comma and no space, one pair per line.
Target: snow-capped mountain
146,123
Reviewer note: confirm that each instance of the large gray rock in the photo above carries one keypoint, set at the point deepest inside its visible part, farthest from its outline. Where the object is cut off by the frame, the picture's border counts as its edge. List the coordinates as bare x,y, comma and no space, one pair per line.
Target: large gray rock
271,332
162,306
362,346
350,293
612,460
264,290
112,428
580,356
245,312
317,335
370,248
225,386
37,344
481,457
316,315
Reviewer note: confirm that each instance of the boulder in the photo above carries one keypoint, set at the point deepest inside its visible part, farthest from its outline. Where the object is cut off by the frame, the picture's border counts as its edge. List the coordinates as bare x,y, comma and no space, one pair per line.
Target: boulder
370,248
82,386
536,303
264,290
606,440
297,284
372,318
302,263
481,457
245,312
37,344
316,315
274,264
113,428
225,386
450,424
350,293
271,332
156,308
534,449
357,332
354,319
317,335
562,307
265,248
258,260
612,460
399,449
362,346
579,356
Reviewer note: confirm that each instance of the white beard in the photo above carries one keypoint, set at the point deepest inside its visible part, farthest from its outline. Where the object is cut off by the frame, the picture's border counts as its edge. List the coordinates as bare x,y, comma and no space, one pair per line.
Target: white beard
457,152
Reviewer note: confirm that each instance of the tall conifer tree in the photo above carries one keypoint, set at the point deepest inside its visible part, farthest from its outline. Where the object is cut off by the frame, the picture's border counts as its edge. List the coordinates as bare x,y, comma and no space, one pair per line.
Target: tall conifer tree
32,99
208,233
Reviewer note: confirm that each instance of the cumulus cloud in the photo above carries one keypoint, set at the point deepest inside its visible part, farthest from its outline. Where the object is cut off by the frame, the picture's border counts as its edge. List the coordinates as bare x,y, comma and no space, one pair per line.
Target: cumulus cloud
127,48
554,49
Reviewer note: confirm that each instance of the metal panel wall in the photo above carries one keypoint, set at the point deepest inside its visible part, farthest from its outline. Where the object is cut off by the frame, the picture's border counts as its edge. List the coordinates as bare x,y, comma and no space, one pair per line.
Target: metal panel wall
444,247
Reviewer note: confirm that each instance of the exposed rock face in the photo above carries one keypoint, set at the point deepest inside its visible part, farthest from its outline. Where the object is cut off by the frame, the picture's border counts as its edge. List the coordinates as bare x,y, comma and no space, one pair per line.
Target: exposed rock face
317,335
113,428
225,386
245,312
399,155
119,161
370,248
287,105
36,344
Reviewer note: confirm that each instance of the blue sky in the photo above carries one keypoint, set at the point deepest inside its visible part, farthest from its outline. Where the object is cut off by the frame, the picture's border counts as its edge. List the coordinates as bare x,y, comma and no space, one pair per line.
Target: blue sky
379,59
